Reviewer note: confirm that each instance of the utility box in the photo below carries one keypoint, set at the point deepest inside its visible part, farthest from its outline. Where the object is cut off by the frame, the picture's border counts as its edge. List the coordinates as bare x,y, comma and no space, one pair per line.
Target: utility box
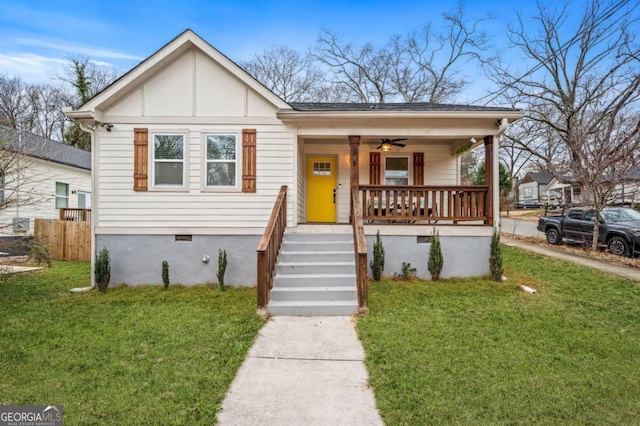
21,224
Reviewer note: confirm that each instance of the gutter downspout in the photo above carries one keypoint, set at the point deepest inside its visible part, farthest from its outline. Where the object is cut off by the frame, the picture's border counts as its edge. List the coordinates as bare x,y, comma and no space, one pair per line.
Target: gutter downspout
91,131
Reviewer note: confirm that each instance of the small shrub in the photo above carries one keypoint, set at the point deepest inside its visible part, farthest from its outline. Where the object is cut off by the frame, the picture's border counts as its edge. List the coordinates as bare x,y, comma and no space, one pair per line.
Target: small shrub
39,251
165,274
222,267
103,269
408,273
377,263
435,257
495,259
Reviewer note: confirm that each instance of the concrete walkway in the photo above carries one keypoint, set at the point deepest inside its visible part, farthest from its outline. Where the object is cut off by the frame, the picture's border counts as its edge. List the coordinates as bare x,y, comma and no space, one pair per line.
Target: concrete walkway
624,271
302,371
12,269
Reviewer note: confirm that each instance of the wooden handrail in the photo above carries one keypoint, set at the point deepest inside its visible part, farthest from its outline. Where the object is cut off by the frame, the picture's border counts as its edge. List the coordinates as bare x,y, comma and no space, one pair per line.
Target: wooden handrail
360,244
426,203
269,247
76,215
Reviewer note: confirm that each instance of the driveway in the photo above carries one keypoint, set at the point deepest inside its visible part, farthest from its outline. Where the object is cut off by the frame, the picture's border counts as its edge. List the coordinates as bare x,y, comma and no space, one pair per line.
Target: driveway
522,227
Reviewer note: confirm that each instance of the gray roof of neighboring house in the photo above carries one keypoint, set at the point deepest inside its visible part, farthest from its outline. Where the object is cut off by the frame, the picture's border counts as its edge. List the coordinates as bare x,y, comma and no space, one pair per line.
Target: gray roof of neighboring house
417,106
45,149
633,174
541,177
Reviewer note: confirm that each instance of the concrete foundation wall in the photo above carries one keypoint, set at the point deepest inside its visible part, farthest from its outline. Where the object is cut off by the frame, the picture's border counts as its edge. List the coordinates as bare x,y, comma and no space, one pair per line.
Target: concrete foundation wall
464,256
137,259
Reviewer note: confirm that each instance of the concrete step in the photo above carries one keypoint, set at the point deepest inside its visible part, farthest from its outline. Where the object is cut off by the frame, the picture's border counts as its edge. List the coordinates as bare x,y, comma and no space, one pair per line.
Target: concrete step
312,308
314,280
316,267
317,237
315,275
317,246
288,256
301,294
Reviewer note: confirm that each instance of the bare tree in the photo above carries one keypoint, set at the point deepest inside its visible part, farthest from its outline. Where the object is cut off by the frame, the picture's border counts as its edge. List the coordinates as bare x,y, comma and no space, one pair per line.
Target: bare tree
423,66
20,186
363,73
15,103
581,92
436,56
286,72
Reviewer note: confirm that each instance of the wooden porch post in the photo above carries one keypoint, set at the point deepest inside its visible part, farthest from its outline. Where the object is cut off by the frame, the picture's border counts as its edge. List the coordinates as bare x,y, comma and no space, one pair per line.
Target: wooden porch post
488,177
354,158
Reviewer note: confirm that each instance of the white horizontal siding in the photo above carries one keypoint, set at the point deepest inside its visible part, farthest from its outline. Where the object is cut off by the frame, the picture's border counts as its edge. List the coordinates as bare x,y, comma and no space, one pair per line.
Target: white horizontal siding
195,207
38,191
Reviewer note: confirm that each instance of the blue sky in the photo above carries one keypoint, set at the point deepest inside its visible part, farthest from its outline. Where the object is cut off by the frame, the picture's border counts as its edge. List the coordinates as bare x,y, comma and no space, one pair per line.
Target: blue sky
37,36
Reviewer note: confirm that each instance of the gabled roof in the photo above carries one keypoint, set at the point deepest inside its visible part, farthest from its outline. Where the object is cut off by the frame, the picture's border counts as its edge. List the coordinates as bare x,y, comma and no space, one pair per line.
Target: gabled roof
45,149
157,60
541,178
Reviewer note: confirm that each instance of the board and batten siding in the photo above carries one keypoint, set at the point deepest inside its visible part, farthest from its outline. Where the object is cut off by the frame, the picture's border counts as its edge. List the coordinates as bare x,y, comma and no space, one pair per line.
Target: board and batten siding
194,207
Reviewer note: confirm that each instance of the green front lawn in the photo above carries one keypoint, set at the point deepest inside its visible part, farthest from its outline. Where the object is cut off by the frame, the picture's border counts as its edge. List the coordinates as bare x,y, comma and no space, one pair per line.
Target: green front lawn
128,356
480,352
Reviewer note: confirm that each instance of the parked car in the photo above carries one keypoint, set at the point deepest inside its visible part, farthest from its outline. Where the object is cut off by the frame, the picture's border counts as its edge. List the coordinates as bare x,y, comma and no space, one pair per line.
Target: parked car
619,228
528,204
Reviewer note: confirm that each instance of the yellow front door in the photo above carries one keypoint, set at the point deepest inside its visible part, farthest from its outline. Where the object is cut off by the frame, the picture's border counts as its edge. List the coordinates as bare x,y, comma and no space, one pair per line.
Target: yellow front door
321,189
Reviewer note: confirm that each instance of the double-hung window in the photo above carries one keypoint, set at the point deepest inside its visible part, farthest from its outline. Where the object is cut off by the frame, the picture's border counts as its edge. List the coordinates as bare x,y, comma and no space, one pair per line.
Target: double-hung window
62,195
396,171
168,160
221,161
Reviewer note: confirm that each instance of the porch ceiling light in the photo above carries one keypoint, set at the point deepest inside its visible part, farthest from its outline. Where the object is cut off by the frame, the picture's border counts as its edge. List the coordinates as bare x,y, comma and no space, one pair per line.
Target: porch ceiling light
386,146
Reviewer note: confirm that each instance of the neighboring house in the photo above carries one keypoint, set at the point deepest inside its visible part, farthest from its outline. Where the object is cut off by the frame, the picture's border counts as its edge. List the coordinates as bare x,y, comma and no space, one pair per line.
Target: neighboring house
532,187
190,153
43,177
563,189
627,192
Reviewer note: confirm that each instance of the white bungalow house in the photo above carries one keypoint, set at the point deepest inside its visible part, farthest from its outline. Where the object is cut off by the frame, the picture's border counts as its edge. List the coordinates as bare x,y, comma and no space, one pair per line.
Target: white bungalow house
41,178
192,155
563,189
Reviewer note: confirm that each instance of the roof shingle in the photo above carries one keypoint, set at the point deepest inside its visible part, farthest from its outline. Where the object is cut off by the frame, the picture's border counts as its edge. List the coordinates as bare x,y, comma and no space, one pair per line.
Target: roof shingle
45,149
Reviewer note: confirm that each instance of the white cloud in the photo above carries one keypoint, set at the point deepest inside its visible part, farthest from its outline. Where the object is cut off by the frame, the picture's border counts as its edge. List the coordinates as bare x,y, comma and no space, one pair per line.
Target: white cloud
76,48
30,67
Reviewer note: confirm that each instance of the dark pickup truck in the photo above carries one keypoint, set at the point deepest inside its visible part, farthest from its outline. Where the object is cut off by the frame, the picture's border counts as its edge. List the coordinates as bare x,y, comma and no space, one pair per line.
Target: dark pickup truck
619,228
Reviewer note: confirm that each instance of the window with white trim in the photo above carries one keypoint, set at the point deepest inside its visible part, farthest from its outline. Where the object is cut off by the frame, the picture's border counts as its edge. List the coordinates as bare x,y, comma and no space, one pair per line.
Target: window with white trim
168,159
528,192
221,161
396,170
62,195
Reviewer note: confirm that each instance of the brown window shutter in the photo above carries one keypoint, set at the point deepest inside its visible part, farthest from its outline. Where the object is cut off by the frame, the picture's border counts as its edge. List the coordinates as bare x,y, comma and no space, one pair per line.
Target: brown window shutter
374,168
418,168
248,160
140,159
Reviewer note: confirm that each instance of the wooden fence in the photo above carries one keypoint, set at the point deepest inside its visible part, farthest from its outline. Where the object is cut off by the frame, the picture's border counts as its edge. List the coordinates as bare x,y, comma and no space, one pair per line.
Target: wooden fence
68,240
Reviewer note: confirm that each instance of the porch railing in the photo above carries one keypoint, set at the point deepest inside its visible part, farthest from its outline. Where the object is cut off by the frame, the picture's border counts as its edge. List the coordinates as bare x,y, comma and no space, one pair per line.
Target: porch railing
76,215
408,203
269,247
360,244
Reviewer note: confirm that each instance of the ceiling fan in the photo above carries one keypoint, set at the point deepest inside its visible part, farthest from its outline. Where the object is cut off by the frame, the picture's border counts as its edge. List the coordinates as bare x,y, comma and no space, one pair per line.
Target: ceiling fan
386,144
